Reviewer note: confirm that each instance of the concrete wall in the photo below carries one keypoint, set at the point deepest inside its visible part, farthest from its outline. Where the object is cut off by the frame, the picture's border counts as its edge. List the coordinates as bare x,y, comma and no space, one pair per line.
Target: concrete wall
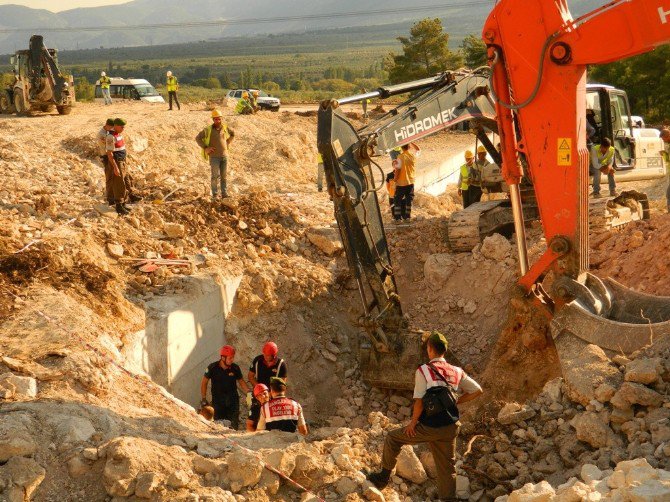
183,334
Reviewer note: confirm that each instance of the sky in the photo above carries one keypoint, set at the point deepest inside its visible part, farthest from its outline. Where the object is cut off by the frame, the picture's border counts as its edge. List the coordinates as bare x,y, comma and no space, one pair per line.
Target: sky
59,5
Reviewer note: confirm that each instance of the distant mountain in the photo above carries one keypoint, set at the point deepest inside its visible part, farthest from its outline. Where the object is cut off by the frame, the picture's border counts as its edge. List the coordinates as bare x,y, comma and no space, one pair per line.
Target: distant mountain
458,20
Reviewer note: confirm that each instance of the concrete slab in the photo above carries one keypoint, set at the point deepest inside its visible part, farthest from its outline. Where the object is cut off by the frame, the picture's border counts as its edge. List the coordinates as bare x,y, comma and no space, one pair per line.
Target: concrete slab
183,333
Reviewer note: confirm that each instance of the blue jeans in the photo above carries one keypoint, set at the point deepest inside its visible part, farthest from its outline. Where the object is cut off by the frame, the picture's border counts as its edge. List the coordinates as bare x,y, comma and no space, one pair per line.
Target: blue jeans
218,167
596,181
107,96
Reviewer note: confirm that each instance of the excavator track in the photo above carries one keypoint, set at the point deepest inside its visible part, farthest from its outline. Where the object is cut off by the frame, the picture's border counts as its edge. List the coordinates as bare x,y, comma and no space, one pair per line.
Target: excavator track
617,212
469,227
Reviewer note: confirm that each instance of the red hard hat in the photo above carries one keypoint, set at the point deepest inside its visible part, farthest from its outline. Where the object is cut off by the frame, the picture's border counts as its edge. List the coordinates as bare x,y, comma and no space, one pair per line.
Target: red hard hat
260,388
227,350
270,349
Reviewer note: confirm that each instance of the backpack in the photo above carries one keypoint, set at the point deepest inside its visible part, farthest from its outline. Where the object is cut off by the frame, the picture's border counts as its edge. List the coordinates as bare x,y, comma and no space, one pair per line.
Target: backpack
439,404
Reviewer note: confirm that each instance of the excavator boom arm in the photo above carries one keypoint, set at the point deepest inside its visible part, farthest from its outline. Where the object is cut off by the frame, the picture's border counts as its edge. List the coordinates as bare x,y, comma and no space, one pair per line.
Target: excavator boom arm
353,176
539,56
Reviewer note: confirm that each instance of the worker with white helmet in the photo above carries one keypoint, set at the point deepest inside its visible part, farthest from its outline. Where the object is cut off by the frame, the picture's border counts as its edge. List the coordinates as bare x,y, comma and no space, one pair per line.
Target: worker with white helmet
172,88
105,82
225,376
214,141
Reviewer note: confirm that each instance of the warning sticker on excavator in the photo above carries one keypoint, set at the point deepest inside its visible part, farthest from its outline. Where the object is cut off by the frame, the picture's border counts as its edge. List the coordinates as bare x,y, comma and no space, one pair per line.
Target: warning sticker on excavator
564,152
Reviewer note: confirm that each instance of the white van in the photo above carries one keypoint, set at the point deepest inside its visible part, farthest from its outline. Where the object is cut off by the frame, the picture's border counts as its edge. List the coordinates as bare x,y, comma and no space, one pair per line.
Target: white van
130,88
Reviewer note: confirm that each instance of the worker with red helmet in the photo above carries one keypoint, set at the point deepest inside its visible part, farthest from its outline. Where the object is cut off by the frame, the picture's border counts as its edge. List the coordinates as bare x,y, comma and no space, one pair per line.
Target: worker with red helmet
267,365
261,396
225,376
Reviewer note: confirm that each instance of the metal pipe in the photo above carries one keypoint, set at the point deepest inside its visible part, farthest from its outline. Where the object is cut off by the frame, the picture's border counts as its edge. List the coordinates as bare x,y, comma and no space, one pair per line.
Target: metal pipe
392,90
519,227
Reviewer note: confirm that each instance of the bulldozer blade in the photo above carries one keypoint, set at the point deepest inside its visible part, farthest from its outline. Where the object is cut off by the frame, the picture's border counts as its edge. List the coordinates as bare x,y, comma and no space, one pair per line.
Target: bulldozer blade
629,321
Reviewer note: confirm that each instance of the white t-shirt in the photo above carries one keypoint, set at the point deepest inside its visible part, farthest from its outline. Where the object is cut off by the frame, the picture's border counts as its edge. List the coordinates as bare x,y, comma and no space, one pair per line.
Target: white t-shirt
466,385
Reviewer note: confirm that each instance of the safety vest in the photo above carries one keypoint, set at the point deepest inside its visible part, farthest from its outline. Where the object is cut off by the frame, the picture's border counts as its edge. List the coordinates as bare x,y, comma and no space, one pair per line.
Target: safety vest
208,137
104,82
242,104
172,83
390,187
453,374
606,159
319,158
465,176
405,164
281,414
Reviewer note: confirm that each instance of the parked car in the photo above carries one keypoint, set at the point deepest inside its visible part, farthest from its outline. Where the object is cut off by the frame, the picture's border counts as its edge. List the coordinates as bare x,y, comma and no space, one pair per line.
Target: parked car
265,101
130,88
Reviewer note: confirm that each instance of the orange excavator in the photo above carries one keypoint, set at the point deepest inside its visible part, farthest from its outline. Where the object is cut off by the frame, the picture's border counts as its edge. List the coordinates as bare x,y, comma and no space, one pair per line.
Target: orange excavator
534,100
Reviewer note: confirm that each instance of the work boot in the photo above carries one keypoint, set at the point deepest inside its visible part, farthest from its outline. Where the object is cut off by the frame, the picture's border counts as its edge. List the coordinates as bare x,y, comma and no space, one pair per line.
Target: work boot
134,198
596,195
126,207
121,210
379,479
614,193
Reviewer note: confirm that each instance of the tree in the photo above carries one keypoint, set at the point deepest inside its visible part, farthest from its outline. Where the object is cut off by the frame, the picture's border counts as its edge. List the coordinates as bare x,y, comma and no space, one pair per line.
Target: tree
226,83
646,80
425,53
84,90
474,51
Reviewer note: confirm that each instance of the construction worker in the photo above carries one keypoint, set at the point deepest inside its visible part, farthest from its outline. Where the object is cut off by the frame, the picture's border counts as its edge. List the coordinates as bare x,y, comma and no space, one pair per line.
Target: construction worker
439,429
102,143
105,82
225,376
214,141
253,100
665,153
365,104
395,153
605,157
261,396
464,177
320,172
267,365
115,168
281,413
172,88
475,178
404,167
243,106
390,188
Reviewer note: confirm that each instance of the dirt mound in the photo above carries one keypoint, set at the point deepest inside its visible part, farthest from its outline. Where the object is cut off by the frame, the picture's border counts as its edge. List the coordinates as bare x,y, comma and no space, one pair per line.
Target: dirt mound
636,256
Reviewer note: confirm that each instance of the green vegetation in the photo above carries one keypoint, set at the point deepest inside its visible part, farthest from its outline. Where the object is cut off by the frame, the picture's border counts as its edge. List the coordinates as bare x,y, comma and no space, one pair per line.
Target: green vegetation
425,53
646,80
473,49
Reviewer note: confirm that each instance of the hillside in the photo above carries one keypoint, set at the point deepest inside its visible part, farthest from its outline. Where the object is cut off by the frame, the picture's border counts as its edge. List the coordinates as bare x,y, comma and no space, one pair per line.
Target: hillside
459,19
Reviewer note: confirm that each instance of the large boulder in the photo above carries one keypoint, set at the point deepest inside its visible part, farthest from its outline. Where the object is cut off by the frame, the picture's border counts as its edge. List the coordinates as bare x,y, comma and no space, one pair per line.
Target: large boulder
437,269
591,429
19,478
409,466
634,393
644,370
326,239
244,469
496,247
541,492
71,429
584,370
513,413
17,433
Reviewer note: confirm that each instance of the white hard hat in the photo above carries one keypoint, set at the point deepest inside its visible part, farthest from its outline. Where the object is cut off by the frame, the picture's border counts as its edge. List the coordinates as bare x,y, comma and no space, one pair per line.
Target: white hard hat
102,74
169,73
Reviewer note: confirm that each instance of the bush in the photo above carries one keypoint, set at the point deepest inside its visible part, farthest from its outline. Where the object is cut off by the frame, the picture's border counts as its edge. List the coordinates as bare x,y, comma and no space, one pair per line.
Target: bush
207,83
84,90
335,85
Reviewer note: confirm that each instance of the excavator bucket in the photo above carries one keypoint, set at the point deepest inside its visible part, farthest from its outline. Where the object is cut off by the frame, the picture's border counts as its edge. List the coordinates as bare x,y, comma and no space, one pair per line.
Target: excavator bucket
611,316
